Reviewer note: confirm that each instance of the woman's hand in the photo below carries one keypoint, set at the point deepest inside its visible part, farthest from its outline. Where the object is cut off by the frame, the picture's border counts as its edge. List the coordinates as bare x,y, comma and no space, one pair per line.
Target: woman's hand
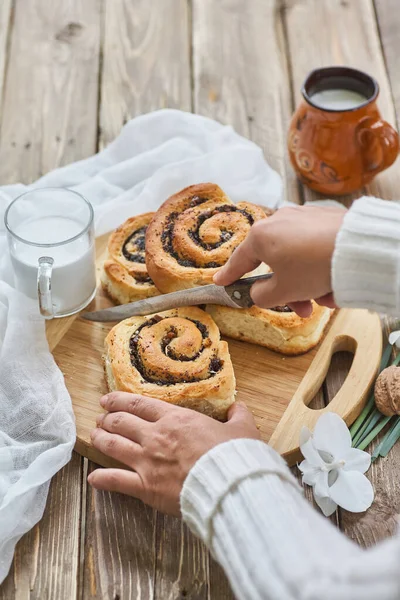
298,244
160,442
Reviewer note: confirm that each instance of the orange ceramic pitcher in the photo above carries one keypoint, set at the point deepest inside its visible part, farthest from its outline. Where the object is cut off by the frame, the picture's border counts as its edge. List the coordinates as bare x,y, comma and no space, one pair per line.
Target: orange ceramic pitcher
335,150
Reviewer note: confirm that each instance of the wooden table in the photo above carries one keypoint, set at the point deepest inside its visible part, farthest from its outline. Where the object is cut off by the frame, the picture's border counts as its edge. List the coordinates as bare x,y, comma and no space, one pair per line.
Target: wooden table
71,74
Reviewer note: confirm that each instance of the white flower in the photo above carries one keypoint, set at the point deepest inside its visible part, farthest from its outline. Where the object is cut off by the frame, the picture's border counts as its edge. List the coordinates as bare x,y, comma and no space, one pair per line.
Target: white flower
394,338
333,468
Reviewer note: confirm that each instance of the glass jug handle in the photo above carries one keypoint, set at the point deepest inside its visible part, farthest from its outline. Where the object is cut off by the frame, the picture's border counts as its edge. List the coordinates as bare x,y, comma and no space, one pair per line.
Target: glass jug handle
44,286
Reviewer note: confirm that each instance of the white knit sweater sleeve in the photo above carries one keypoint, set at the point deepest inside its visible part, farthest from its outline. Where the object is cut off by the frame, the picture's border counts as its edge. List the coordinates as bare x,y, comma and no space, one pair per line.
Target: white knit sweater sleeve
366,261
242,501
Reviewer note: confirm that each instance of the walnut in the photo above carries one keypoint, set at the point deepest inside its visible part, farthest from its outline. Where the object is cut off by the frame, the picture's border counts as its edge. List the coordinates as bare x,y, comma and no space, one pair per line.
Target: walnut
387,391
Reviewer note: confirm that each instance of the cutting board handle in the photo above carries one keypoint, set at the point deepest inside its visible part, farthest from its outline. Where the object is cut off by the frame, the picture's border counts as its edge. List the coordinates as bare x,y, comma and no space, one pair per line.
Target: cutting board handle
351,331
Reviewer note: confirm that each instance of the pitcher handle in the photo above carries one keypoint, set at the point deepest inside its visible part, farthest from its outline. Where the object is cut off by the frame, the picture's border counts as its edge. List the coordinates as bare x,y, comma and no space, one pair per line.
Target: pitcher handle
379,143
45,269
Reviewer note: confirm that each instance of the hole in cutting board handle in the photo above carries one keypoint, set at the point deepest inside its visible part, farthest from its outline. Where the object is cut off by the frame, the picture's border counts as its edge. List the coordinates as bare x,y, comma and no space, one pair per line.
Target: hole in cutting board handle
342,357
337,374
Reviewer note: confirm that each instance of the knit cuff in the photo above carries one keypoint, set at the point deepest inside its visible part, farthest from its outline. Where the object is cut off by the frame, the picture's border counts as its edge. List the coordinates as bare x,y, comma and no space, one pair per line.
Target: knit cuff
220,471
366,260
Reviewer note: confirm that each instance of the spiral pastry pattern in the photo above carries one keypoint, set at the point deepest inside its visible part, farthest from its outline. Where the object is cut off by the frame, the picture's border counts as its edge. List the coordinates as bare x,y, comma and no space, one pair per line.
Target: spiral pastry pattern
193,234
176,356
124,275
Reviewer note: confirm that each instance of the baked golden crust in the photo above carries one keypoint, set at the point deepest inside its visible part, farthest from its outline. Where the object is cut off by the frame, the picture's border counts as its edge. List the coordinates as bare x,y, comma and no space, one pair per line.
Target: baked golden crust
176,356
284,332
193,234
124,274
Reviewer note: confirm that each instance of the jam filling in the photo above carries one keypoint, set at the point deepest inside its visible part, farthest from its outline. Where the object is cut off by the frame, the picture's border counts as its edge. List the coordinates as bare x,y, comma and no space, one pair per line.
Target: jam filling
196,200
282,309
194,234
168,378
201,327
134,251
166,240
134,246
143,278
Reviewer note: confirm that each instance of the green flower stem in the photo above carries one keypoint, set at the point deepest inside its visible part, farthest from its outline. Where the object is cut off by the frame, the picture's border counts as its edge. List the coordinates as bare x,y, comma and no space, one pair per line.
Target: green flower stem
368,426
363,427
376,454
372,435
390,439
358,423
385,357
371,401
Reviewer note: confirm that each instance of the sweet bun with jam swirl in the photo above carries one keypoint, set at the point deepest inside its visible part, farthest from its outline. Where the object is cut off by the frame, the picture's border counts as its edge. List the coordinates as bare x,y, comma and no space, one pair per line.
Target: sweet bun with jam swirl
193,234
279,328
176,356
124,275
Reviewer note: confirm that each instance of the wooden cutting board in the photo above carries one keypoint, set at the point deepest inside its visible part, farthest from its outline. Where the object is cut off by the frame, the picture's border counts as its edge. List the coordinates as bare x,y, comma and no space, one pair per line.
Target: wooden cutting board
277,389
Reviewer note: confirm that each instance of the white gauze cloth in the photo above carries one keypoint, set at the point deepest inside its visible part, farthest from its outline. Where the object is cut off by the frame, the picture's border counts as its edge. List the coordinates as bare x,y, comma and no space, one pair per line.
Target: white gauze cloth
155,156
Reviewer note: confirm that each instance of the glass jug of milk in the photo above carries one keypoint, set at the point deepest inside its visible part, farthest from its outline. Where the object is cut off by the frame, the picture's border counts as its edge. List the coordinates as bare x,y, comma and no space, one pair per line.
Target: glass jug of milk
51,239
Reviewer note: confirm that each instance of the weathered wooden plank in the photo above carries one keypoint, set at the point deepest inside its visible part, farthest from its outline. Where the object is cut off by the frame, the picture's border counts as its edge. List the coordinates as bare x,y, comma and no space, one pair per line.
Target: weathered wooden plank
350,38
49,110
146,62
182,562
49,118
241,74
146,66
119,547
5,23
388,16
219,588
46,559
